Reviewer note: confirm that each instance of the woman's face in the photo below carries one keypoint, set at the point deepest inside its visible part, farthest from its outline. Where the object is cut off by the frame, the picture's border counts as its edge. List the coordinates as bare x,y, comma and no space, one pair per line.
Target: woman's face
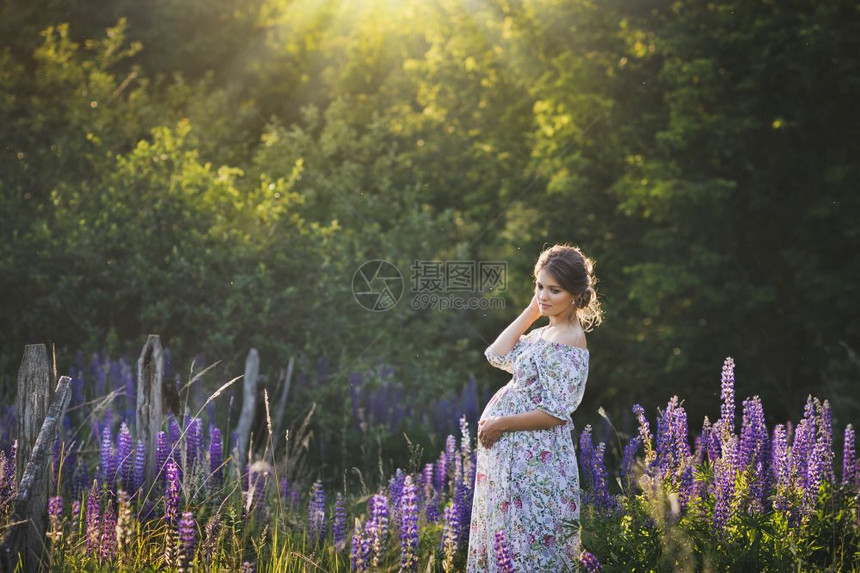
551,297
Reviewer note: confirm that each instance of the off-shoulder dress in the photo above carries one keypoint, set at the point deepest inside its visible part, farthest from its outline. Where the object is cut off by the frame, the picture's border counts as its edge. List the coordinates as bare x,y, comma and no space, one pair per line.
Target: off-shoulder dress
527,483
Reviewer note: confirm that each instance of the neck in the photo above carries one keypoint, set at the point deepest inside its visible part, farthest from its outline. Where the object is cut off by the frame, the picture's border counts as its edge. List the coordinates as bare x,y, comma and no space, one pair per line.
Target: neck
562,320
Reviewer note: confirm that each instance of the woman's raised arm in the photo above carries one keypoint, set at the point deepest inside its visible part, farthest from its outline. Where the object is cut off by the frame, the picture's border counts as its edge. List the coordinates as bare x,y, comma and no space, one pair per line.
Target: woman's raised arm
509,336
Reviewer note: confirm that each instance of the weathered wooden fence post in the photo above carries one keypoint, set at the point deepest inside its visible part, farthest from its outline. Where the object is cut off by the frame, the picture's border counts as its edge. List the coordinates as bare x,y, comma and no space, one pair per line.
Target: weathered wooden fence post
249,403
34,393
150,373
282,403
25,538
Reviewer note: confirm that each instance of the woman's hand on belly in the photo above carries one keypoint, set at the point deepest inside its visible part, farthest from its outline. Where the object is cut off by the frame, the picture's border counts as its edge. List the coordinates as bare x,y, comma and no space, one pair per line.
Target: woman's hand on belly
489,431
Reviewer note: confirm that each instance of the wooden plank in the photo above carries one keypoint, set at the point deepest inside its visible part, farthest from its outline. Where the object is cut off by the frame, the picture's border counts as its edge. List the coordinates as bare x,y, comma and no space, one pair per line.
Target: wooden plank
25,539
34,393
282,403
249,404
150,377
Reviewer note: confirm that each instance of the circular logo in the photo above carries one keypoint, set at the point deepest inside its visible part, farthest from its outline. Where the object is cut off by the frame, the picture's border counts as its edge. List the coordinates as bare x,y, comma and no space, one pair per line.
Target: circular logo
377,285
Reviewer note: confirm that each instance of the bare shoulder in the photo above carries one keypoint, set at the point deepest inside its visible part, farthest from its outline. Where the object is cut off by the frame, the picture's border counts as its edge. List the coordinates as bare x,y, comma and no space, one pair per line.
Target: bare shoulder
566,336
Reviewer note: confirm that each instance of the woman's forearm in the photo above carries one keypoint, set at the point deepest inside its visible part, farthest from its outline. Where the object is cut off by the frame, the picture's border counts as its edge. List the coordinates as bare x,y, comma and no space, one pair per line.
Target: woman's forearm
534,420
509,336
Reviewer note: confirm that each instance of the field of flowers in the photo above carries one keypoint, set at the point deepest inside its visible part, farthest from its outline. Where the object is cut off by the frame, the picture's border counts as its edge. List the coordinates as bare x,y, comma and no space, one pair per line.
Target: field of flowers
745,498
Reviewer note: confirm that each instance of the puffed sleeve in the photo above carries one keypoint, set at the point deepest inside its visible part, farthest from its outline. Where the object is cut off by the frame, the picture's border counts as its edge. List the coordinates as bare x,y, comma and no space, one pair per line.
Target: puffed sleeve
506,362
560,383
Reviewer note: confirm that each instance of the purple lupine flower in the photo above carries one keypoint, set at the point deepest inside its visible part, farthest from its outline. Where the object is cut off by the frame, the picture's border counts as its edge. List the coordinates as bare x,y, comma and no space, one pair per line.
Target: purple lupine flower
600,494
680,436
162,453
848,457
589,562
644,434
440,476
55,506
466,442
191,429
753,452
427,481
450,450
80,479
705,440
7,478
171,493
215,459
451,530
461,499
779,460
360,549
338,527
753,422
825,436
248,567
106,458
686,488
285,489
12,459
724,470
194,443
55,511
586,453
377,527
803,443
431,508
395,489
673,447
503,553
5,482
146,511
123,523
93,511
76,510
818,459
187,540
108,541
125,461
663,448
628,459
408,514
246,478
139,466
173,433
316,514
715,448
471,470
727,394
258,482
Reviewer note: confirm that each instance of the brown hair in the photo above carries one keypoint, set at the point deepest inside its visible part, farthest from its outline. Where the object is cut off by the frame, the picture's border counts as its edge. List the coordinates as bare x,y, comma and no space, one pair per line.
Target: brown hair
575,274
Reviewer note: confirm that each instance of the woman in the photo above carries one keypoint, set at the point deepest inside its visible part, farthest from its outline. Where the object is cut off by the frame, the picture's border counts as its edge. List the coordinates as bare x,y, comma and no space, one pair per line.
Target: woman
527,480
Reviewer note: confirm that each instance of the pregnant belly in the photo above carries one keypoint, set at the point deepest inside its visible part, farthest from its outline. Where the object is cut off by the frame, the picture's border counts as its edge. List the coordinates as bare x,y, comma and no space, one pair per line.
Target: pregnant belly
508,400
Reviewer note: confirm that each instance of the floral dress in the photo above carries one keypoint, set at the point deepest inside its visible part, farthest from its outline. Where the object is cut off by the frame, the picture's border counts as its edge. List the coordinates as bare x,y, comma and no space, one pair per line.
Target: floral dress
527,483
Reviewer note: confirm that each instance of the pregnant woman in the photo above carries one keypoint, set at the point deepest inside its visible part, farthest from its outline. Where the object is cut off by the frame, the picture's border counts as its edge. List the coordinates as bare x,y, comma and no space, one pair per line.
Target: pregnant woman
527,480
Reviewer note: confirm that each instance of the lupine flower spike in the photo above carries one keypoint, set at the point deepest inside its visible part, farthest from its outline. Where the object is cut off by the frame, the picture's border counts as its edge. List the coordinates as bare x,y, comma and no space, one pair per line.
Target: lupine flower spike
503,553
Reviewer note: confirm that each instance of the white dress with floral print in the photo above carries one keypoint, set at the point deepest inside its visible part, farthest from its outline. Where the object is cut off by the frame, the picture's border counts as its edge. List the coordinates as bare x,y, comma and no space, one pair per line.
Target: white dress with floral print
527,483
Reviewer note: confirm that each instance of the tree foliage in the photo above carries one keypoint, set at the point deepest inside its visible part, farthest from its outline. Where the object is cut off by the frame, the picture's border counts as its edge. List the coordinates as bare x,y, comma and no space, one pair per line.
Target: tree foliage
217,173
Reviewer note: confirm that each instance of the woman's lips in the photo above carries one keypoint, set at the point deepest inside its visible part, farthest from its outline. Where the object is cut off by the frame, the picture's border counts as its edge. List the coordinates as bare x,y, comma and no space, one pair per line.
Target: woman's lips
544,306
